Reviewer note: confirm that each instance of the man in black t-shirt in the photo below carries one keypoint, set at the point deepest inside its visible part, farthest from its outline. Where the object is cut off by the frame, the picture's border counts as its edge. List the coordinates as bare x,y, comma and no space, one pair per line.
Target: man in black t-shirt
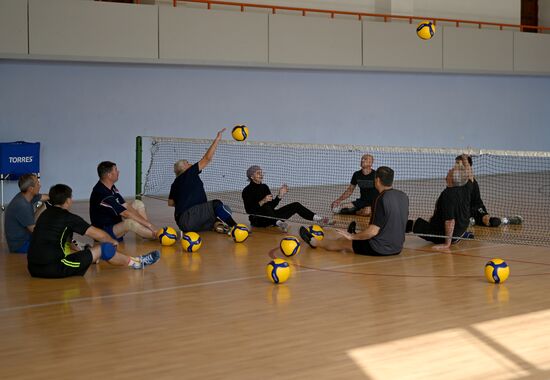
451,216
363,178
50,254
385,234
110,211
478,211
192,210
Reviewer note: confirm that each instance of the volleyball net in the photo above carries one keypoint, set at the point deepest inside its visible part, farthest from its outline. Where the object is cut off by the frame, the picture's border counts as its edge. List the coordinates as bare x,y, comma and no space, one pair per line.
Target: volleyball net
511,182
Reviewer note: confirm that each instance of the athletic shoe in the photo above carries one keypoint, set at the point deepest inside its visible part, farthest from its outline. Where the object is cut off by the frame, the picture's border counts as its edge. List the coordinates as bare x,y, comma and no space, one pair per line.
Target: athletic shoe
327,222
283,226
467,235
494,221
409,226
148,259
472,221
352,226
516,219
221,228
306,236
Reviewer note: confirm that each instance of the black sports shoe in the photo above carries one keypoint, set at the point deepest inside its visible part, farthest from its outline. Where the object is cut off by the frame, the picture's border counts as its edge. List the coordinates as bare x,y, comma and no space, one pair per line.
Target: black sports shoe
409,226
306,236
351,228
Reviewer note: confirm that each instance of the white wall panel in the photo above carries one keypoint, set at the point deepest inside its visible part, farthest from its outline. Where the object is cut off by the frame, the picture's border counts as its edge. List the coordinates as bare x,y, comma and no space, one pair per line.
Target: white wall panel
532,53
90,28
209,35
478,50
13,27
315,41
391,45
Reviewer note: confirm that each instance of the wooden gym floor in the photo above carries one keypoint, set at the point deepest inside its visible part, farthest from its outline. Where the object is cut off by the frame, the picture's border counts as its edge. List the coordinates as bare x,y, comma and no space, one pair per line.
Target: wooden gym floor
214,315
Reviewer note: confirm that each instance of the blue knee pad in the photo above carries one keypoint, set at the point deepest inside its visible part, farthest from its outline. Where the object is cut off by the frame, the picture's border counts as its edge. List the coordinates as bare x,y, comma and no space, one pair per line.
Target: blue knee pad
222,211
107,251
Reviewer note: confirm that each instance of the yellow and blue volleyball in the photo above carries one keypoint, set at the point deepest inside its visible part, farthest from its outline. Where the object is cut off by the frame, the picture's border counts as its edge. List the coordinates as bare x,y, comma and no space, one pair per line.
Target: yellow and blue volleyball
290,246
240,132
317,232
497,271
239,233
425,30
191,241
277,271
167,236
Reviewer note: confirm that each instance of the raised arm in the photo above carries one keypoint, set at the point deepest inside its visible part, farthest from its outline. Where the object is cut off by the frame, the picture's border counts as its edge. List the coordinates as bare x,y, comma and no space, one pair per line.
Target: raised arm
209,155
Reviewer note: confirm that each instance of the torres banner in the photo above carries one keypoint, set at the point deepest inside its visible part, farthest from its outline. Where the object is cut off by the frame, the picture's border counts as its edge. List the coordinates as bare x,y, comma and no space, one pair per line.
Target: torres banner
18,158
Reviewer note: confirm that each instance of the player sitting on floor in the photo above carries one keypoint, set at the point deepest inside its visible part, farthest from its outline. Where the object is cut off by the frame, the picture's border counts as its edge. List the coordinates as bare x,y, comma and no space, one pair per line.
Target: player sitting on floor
479,212
110,212
451,216
363,178
192,210
20,216
385,234
49,252
260,204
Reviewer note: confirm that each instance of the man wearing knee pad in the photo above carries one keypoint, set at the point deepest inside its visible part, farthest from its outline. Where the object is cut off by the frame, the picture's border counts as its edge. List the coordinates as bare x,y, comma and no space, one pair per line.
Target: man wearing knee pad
49,253
111,213
192,210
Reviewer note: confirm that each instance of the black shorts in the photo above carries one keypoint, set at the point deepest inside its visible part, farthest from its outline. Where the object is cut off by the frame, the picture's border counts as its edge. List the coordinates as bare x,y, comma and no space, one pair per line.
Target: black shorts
362,247
75,264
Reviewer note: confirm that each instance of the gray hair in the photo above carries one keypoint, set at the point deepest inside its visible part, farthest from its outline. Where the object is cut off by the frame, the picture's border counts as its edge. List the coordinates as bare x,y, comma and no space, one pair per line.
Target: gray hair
26,181
251,170
178,166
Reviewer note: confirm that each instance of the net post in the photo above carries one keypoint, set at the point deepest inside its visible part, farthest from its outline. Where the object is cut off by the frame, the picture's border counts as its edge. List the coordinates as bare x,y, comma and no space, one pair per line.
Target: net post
139,151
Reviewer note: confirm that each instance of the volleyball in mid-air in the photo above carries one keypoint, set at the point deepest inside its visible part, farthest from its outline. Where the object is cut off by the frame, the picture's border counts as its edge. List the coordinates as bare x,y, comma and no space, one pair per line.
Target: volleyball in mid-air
277,271
240,132
497,271
290,246
167,236
425,30
239,233
316,231
191,241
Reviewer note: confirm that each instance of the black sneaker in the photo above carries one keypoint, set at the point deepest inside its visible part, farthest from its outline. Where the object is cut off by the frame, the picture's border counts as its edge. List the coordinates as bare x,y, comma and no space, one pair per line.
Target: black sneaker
306,236
352,227
409,226
516,219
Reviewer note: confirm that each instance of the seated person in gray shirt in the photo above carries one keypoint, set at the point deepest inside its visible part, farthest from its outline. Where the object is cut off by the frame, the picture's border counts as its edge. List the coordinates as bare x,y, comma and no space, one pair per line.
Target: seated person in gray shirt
20,214
385,234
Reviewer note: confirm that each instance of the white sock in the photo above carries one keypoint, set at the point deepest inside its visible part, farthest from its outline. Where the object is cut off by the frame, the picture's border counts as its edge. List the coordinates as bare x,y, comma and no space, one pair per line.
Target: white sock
317,218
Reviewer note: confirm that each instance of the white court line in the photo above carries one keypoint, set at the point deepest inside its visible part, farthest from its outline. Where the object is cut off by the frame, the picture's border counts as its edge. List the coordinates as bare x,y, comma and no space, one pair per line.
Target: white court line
187,286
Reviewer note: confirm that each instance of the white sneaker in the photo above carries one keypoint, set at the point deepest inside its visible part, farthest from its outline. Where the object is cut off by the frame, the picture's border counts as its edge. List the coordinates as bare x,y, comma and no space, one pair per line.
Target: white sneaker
283,226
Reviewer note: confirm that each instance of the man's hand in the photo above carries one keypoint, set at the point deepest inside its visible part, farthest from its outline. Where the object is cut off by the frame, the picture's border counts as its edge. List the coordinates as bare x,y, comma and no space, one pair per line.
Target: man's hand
267,198
219,135
345,234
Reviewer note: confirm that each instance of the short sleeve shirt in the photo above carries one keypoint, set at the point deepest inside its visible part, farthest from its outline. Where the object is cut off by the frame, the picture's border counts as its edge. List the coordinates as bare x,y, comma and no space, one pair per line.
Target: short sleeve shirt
106,205
391,211
366,185
454,203
187,190
18,216
53,230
